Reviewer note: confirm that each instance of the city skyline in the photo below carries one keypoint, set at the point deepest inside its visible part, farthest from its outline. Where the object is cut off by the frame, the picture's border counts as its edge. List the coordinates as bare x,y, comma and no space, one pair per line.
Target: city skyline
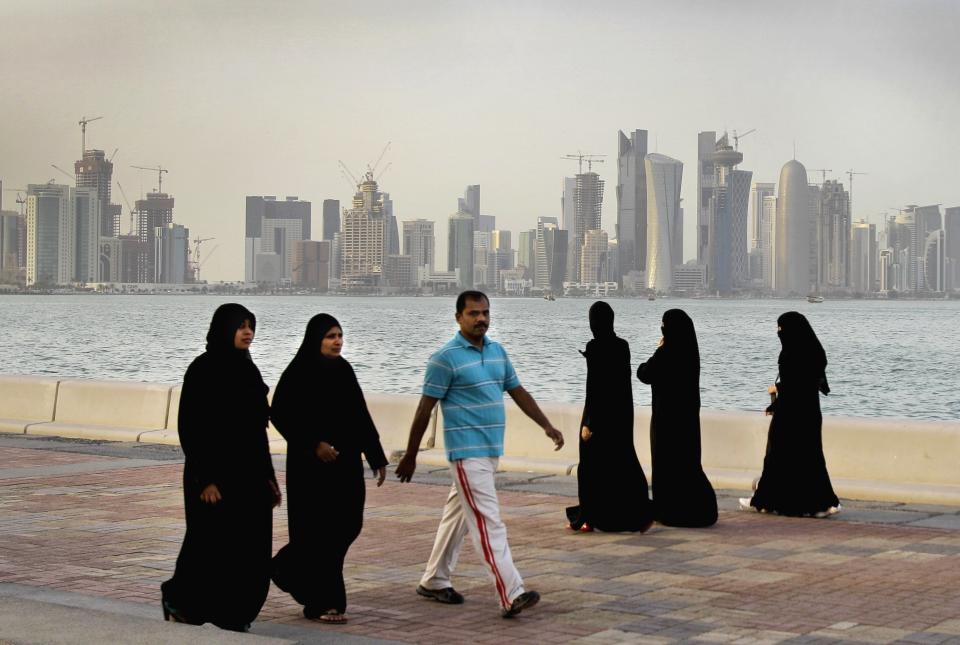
223,138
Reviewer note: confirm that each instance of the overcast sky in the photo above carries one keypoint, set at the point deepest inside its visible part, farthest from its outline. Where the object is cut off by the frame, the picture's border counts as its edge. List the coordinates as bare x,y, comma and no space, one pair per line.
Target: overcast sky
249,98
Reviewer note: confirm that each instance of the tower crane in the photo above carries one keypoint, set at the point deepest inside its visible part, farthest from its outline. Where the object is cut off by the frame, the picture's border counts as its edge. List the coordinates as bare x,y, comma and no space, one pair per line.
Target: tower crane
373,169
823,172
346,172
129,207
20,200
737,137
113,154
197,241
198,264
83,132
383,172
580,158
159,170
850,173
56,167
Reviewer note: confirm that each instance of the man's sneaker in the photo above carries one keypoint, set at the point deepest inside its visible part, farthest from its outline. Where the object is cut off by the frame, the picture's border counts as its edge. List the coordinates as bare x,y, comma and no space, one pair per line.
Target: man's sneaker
745,504
447,595
526,600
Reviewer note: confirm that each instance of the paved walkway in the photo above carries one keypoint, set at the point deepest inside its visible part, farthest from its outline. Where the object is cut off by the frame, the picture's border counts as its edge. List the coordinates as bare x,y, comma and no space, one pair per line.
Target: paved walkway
86,524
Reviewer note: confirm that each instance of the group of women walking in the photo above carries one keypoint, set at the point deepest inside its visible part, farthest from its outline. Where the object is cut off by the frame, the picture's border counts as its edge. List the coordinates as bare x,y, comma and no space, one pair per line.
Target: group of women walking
225,566
224,569
613,492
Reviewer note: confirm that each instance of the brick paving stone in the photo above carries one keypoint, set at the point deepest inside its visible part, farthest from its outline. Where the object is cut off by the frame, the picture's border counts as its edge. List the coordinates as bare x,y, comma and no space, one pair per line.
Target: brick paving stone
114,531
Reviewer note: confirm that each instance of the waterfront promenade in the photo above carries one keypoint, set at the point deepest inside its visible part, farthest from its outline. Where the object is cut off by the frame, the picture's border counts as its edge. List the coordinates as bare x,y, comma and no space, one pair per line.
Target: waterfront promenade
90,529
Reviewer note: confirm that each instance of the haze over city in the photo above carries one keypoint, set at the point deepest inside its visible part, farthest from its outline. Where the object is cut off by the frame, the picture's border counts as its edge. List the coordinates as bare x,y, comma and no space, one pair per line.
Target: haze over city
241,99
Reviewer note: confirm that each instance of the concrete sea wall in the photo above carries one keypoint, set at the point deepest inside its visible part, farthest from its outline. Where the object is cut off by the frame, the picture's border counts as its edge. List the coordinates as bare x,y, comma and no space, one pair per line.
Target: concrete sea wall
897,460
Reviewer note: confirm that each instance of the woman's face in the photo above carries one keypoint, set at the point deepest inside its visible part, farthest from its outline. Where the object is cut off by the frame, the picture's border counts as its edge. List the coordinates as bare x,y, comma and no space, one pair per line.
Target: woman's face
332,343
244,336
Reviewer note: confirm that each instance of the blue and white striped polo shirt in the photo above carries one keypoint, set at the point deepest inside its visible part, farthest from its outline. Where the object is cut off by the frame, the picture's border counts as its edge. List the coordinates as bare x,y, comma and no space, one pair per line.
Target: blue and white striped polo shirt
470,383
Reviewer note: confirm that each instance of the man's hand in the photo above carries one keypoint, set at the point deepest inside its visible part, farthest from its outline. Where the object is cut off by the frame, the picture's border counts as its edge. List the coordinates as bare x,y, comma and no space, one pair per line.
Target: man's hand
585,433
406,467
326,452
210,494
381,475
556,436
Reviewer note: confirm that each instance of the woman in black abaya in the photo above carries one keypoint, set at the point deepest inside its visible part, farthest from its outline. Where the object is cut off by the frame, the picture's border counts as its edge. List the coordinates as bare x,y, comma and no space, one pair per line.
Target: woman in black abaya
610,482
319,409
222,574
682,494
795,480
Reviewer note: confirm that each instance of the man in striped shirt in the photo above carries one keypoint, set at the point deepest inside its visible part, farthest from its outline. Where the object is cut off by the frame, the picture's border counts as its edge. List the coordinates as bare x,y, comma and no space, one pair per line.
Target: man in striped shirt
469,376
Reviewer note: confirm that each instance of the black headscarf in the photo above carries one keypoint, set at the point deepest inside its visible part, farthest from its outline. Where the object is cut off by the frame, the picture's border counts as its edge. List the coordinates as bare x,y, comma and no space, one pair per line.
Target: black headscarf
227,319
309,352
601,320
680,337
801,346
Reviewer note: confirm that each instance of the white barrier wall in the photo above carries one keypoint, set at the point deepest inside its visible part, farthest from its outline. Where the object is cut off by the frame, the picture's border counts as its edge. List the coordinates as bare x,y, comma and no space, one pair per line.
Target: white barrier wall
881,459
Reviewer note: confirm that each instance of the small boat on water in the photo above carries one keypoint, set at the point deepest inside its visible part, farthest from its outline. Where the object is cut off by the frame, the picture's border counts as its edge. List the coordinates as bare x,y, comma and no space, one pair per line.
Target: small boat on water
651,297
813,298
549,296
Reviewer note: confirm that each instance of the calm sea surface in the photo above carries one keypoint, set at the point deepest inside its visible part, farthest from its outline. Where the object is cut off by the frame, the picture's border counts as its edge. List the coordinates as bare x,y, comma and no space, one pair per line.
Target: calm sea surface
887,358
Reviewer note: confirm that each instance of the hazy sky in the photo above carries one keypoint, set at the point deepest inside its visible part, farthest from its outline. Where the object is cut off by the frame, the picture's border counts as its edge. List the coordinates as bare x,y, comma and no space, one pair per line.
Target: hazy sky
248,98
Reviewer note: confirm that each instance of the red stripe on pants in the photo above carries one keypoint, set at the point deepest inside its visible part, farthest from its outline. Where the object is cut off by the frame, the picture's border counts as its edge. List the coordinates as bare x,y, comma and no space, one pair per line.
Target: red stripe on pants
484,539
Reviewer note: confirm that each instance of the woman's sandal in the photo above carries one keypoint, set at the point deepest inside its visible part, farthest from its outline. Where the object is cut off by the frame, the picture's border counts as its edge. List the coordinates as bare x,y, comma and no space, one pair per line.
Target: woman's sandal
332,617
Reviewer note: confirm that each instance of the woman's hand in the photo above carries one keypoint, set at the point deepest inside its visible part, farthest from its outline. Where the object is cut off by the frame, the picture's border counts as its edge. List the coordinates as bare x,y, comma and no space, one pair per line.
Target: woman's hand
326,452
381,475
275,490
210,494
585,433
660,343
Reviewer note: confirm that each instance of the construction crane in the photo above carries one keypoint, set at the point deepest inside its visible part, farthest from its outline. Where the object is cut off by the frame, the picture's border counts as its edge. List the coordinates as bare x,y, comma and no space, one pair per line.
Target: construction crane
83,132
197,263
373,169
737,137
56,167
197,241
823,172
159,170
580,157
113,154
20,200
383,172
850,173
129,207
349,175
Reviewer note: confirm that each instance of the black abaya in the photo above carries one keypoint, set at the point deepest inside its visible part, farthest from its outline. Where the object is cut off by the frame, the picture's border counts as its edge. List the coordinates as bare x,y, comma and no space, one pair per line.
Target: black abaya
319,399
682,494
610,481
222,573
795,480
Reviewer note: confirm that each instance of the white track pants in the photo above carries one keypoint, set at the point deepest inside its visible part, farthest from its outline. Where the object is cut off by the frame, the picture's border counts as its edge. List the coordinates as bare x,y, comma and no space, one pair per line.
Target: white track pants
473,506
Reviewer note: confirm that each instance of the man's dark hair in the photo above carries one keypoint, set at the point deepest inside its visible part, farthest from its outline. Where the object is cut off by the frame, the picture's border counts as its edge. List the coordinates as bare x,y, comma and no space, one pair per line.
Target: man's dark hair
469,295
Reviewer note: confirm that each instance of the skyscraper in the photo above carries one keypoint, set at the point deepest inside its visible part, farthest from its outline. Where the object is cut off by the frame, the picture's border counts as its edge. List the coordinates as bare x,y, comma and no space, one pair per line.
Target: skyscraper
470,204
863,257
460,247
706,183
296,215
9,243
593,260
728,266
526,251
156,211
791,248
365,238
632,192
96,171
419,242
311,263
588,200
172,253
551,255
951,229
50,234
331,218
768,218
86,253
758,193
663,177
833,236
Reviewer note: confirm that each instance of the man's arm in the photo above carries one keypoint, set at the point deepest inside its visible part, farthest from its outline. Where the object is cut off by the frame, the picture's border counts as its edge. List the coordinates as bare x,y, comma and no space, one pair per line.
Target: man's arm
421,419
530,408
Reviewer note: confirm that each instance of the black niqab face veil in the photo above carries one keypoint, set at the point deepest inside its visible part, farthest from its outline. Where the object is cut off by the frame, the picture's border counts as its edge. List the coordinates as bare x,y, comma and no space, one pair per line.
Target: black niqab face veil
679,334
227,319
601,320
317,328
799,339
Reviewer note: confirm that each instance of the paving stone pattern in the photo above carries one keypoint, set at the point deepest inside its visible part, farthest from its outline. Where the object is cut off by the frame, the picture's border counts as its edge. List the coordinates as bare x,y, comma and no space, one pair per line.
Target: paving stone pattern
113,531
